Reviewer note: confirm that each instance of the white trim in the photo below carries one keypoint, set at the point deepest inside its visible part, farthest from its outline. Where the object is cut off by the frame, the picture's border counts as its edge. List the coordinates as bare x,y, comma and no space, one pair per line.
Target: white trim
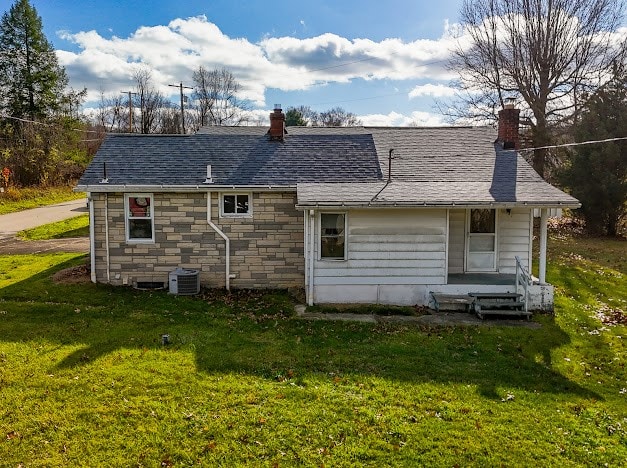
530,254
227,242
543,242
319,232
248,214
446,245
152,218
92,240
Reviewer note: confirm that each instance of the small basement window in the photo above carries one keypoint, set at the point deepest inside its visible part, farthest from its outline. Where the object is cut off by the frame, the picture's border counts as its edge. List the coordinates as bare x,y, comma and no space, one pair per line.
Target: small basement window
139,218
236,204
332,236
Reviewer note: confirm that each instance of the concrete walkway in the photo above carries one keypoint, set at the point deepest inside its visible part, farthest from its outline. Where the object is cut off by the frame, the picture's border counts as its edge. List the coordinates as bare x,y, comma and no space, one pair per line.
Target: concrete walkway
437,319
12,223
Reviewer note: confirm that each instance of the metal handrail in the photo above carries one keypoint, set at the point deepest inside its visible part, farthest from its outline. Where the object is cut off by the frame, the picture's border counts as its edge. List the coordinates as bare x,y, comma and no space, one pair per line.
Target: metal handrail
523,278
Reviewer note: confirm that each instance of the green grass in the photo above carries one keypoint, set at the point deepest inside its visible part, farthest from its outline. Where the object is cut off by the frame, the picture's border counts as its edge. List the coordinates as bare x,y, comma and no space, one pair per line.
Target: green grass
13,199
367,309
77,226
86,382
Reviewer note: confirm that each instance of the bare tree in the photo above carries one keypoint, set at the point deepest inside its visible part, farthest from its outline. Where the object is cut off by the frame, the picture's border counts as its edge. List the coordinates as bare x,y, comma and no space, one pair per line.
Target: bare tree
338,117
216,93
549,53
170,118
110,112
149,100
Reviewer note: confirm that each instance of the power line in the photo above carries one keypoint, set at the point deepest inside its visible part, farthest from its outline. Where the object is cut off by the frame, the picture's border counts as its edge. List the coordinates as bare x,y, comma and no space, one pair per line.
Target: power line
579,143
46,124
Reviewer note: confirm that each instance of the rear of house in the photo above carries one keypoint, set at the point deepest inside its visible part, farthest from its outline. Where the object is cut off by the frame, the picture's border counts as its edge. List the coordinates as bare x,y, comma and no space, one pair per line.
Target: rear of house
376,215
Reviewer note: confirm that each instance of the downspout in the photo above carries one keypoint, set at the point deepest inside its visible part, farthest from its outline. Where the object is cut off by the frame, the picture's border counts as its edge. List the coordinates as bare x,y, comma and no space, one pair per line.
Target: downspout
312,257
544,215
106,213
92,241
306,253
227,242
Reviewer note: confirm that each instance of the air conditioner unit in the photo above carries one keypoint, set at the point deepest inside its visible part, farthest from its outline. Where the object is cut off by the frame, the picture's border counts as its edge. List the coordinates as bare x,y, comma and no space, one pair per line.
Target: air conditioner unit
184,281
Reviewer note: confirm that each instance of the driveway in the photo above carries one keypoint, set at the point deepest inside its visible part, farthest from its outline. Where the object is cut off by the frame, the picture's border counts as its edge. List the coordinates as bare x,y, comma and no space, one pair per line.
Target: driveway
11,224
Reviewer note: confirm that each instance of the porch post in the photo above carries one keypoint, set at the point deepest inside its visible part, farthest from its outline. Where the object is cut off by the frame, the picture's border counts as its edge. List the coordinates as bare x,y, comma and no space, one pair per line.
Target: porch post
544,215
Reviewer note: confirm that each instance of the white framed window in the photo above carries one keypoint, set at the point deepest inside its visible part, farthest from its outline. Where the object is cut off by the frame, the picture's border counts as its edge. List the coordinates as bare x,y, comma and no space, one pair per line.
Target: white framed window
332,236
139,217
481,240
233,205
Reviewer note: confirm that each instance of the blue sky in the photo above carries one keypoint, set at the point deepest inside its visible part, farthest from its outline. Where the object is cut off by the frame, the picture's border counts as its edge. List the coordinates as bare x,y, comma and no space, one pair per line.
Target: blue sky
383,60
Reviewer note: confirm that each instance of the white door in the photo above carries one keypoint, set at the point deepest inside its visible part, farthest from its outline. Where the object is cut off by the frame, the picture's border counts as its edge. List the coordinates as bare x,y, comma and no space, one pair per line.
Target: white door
481,240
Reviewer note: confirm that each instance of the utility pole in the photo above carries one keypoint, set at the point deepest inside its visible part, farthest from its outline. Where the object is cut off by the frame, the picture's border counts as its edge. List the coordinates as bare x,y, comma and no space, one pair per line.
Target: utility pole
180,86
130,110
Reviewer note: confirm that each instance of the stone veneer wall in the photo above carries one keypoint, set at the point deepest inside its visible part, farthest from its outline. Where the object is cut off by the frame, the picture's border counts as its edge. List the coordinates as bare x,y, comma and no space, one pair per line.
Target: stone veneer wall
266,249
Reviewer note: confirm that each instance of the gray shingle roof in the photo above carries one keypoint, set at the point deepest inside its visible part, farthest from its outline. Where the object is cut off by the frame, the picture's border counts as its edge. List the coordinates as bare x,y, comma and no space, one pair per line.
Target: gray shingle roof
242,157
332,166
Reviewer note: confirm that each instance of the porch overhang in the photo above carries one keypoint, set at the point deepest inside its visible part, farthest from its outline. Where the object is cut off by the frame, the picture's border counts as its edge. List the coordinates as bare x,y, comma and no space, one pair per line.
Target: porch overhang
415,194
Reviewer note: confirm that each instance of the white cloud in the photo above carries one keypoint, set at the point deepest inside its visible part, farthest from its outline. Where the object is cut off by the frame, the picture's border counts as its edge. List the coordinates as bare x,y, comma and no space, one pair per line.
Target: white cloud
172,52
429,89
395,119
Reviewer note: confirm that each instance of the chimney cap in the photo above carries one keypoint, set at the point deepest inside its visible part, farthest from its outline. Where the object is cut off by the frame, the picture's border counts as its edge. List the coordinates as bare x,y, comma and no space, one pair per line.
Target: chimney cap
510,103
277,107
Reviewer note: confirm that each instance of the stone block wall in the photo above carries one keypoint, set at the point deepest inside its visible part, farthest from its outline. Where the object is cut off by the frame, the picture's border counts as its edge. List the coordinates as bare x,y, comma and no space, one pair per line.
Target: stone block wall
266,249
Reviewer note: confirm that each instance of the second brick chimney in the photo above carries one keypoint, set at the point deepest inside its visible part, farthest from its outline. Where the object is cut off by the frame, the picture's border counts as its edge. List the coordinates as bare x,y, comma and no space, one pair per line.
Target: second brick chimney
277,124
509,118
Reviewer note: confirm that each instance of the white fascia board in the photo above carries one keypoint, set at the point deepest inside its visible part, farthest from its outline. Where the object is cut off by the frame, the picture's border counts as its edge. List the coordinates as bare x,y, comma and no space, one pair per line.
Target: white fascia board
203,188
366,204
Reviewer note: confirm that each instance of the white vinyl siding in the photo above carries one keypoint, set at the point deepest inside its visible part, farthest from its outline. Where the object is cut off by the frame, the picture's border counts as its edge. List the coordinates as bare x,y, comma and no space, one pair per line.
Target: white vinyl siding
514,239
390,247
457,225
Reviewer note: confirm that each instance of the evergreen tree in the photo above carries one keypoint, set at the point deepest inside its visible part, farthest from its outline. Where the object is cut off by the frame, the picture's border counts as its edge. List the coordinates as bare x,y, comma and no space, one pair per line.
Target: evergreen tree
31,81
597,173
294,118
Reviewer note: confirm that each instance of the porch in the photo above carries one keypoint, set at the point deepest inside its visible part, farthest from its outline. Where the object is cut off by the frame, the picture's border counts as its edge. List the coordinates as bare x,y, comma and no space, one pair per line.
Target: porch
540,295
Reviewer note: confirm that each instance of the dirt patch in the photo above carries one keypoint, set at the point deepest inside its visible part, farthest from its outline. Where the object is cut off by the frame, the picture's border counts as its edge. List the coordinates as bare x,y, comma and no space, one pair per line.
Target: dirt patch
73,275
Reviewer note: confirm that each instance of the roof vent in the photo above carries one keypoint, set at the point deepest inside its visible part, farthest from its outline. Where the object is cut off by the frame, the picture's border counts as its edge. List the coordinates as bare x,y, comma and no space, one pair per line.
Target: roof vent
184,282
209,179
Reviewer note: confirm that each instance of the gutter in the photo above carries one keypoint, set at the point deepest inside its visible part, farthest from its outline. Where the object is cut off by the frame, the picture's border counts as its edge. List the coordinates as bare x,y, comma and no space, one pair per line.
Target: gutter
181,188
227,242
368,204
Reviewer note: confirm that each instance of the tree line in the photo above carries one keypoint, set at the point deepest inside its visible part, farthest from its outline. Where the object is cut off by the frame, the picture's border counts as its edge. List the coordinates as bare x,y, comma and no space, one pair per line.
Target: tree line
559,59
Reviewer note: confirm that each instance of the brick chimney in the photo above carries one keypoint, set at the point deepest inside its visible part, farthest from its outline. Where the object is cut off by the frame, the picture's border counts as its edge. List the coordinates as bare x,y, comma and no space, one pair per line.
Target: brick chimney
277,124
509,118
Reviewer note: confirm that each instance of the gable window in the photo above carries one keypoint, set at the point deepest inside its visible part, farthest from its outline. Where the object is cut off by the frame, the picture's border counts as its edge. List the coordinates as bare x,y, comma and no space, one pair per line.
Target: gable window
236,204
332,236
139,217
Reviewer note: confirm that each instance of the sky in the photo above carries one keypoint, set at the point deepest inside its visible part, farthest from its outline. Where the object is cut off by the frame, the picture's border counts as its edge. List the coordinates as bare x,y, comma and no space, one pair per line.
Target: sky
382,60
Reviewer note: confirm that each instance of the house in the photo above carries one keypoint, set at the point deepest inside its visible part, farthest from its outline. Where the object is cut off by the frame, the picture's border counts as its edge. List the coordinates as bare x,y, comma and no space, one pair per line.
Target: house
364,214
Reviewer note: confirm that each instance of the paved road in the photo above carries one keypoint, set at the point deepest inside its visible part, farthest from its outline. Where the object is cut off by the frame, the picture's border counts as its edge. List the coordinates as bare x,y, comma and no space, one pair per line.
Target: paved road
11,224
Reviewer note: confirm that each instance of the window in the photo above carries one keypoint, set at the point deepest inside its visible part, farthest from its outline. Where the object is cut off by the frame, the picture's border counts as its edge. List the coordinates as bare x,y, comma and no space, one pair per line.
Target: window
482,221
139,218
332,236
481,240
236,204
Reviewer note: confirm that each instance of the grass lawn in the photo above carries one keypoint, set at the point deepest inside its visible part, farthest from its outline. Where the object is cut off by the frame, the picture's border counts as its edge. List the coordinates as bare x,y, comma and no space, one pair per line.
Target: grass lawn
77,226
86,381
25,198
